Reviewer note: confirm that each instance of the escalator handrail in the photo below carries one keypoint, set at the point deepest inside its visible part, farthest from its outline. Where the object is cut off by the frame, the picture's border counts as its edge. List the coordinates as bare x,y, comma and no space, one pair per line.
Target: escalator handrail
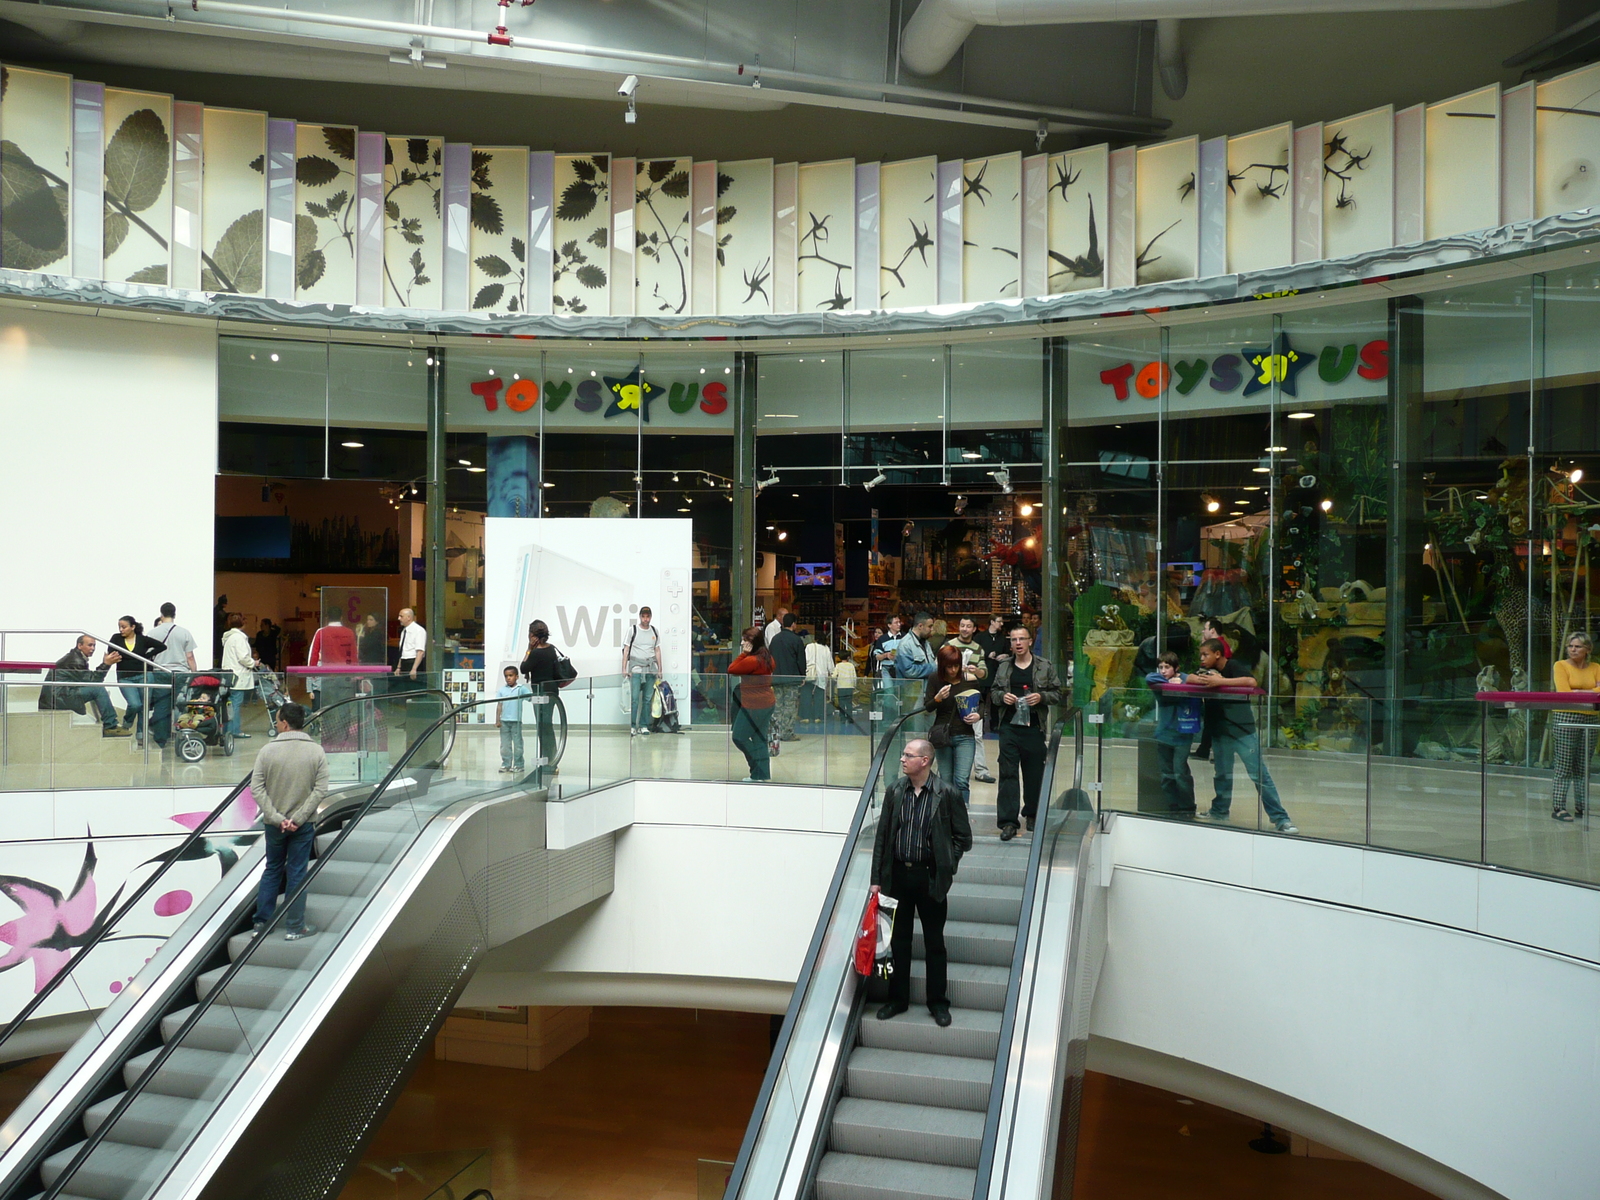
171,1045
808,967
1008,1016
110,924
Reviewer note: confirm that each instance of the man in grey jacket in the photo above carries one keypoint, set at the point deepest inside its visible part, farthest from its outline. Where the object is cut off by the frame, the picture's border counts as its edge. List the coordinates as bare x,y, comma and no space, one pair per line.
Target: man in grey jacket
289,782
1024,688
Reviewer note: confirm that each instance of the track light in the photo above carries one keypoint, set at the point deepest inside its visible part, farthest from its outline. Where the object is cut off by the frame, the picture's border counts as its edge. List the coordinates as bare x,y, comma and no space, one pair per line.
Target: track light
1025,510
762,484
1002,476
961,505
1211,502
880,477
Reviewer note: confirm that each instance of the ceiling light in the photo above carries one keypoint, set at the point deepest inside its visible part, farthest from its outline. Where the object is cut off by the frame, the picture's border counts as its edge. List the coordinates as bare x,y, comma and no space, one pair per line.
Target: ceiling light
1262,470
1236,513
1003,478
1251,487
685,510
1277,449
352,445
465,462
1301,416
761,484
476,470
1026,510
547,483
770,528
783,535
430,360
1212,504
274,358
970,454
1327,506
1577,475
780,416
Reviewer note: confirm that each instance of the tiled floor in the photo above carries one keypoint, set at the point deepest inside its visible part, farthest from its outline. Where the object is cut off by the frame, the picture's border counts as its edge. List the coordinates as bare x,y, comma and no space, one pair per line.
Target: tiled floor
626,1114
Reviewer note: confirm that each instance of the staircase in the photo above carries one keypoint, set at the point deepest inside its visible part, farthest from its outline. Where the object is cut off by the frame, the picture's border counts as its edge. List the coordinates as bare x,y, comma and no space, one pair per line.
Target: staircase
146,1141
909,1123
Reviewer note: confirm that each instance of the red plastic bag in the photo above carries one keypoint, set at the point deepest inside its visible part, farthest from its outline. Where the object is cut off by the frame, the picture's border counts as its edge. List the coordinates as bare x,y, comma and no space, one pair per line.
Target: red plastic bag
867,936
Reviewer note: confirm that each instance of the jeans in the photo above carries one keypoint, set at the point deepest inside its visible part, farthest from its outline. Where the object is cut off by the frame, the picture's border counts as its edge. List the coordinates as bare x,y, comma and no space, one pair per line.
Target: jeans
785,707
1248,747
101,699
642,689
544,717
750,735
1022,749
235,712
134,713
812,702
955,762
161,715
1177,783
911,884
287,856
511,746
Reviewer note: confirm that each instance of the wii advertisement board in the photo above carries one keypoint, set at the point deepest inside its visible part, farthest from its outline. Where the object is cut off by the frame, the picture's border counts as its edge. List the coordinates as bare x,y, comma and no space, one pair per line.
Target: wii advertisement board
587,578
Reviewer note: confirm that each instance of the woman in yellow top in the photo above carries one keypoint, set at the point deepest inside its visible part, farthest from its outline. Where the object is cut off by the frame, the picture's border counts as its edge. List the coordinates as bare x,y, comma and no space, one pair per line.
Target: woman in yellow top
1574,728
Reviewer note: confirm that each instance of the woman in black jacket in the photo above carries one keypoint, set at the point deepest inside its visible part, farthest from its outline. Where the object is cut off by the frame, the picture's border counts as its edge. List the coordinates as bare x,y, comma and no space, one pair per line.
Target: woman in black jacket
131,643
540,668
951,731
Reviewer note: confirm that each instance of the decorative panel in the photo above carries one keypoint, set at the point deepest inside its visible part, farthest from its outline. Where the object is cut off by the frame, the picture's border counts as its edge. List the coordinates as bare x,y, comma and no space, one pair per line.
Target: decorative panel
370,150
1516,152
1035,224
1359,201
785,236
541,230
36,160
456,203
138,187
1308,157
827,236
1410,136
950,183
188,120
283,236
744,237
662,262
88,176
991,217
1260,200
1079,182
908,262
325,213
1122,198
868,208
233,201
1213,190
1166,212
1462,164
704,184
622,239
581,275
1567,162
413,232
499,273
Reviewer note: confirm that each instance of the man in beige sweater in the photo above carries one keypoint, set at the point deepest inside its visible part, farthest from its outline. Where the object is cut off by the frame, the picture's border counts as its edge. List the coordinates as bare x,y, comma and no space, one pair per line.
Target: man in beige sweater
289,782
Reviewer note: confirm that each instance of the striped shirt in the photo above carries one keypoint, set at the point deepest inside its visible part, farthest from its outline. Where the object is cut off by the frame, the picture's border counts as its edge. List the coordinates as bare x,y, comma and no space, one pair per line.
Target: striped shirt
913,841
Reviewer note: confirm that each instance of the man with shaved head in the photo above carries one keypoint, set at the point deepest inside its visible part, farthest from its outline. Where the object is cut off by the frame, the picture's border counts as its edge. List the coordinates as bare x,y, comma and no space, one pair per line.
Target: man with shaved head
922,833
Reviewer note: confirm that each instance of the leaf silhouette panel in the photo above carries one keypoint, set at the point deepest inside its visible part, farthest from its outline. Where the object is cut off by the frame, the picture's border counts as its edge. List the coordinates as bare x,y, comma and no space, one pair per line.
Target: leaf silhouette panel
233,201
325,195
581,275
908,275
1358,183
1166,212
35,170
413,232
827,243
1079,183
499,272
1566,169
1462,164
661,223
991,227
1259,200
744,236
138,186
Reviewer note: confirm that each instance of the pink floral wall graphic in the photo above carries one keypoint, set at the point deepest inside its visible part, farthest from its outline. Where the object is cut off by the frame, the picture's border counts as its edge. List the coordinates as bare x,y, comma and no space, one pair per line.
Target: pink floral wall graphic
50,927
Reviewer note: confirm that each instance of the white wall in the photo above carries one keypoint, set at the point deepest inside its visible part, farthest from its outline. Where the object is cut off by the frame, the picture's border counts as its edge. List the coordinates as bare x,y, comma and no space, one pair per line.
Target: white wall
107,472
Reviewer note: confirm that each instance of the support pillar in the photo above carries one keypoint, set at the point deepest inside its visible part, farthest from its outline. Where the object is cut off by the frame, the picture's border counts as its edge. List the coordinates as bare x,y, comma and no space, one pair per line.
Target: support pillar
743,567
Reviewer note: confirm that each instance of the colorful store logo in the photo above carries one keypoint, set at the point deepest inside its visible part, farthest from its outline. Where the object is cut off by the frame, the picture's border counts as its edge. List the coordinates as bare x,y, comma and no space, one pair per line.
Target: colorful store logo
1256,367
626,394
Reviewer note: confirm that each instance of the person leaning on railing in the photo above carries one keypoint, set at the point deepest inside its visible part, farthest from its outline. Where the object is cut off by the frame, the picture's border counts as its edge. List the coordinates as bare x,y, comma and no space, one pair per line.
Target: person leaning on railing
73,668
752,700
1232,725
1574,728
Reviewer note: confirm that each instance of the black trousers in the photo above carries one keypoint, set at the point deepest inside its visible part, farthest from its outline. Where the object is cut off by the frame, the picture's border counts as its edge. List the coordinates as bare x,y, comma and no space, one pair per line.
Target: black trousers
910,885
1022,747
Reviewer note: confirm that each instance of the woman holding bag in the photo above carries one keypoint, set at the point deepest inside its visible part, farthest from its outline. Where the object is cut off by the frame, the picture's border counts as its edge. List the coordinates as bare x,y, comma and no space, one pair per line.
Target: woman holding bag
951,732
754,698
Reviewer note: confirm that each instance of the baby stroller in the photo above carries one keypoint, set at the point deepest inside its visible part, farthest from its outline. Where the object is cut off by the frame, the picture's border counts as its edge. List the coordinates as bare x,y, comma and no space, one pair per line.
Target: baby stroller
270,688
200,712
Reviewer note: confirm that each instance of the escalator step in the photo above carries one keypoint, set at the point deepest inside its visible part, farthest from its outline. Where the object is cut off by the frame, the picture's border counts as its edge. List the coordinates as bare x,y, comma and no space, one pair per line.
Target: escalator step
972,1033
156,1122
340,878
255,987
369,845
114,1171
195,1074
975,942
1008,870
918,1077
861,1177
997,904
916,1133
972,985
222,1027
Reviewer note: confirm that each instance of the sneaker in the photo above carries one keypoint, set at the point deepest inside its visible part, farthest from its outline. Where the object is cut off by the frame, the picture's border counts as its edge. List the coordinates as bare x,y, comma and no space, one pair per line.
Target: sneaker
1560,814
244,735
1286,826
1212,814
294,935
258,928
984,777
116,731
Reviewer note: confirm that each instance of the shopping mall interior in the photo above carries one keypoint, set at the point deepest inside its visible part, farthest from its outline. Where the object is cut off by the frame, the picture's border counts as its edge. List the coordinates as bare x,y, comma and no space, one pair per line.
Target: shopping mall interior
551,447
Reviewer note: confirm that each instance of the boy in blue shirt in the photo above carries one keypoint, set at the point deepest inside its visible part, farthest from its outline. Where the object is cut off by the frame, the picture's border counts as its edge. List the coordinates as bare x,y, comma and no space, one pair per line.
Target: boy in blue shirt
1177,721
509,717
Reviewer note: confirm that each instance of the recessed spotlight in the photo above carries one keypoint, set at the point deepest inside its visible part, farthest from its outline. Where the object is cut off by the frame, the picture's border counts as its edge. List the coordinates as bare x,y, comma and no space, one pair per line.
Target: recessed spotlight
547,483
352,445
1301,416
1251,487
274,358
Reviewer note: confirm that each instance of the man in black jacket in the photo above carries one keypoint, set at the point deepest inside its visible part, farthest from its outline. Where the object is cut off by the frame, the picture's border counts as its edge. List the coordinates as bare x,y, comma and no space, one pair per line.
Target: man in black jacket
788,674
73,668
922,833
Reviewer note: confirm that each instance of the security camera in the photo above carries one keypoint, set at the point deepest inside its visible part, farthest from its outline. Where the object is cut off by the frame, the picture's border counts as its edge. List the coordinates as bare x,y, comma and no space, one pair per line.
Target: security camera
880,477
629,86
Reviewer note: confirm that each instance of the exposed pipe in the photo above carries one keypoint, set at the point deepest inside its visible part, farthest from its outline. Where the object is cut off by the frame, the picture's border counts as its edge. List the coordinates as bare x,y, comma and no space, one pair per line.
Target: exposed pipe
1083,117
1173,67
938,27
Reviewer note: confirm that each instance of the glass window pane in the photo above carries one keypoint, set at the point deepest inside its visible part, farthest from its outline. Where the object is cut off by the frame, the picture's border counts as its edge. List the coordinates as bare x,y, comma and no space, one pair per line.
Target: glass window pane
896,411
799,409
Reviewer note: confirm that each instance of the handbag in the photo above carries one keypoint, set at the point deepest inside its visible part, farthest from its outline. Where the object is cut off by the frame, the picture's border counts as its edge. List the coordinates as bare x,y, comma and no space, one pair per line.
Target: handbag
565,671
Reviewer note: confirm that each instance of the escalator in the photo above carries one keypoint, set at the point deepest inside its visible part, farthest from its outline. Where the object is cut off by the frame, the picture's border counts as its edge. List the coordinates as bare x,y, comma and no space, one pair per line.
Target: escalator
853,1108
240,1064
